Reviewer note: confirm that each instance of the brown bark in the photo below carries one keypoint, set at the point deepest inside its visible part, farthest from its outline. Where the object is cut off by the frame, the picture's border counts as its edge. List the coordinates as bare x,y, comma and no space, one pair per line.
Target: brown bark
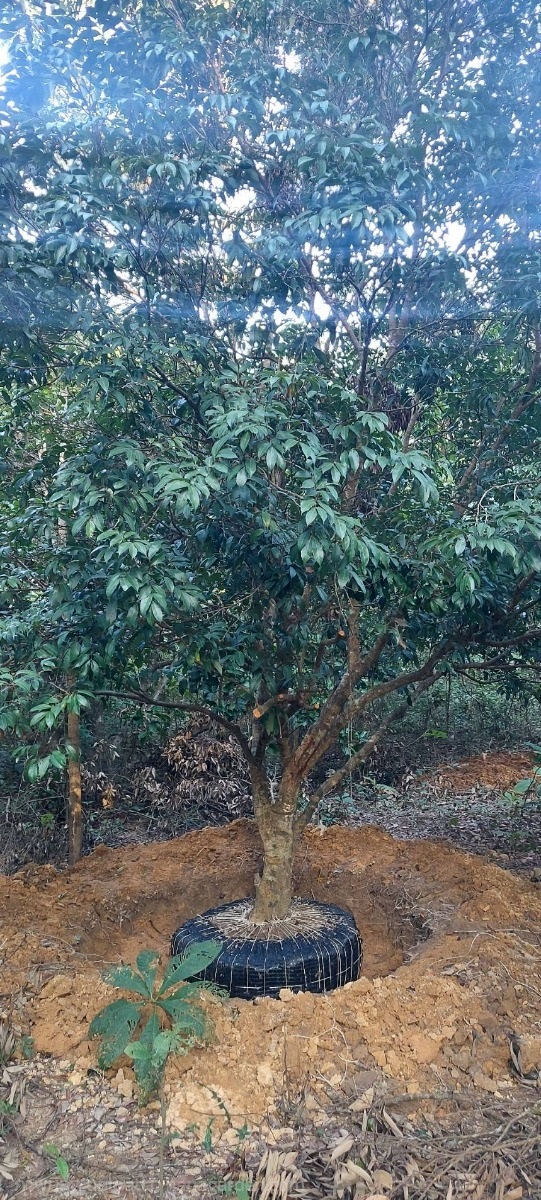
274,889
323,733
279,834
74,791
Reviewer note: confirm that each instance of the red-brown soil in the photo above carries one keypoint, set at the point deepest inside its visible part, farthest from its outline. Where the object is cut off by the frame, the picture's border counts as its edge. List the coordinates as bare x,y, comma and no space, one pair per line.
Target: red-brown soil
433,1014
499,770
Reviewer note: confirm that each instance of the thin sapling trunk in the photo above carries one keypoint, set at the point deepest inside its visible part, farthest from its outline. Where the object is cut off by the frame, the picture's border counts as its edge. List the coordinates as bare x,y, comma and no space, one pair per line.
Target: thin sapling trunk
74,791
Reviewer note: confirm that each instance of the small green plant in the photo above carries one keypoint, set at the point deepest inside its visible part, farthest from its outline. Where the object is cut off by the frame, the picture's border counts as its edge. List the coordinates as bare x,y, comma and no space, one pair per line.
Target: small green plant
207,1139
26,1046
166,1015
241,1189
6,1110
529,789
61,1164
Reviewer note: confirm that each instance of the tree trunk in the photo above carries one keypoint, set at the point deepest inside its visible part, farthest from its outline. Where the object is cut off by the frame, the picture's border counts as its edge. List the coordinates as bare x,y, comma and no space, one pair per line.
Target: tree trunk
74,797
279,835
74,790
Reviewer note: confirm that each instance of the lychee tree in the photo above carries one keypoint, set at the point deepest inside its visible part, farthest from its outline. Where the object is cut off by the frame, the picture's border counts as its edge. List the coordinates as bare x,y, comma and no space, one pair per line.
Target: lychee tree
271,370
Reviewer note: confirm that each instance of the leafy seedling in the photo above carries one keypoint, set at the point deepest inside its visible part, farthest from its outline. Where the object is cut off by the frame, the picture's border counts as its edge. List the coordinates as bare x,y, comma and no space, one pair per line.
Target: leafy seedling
527,789
165,1015
61,1164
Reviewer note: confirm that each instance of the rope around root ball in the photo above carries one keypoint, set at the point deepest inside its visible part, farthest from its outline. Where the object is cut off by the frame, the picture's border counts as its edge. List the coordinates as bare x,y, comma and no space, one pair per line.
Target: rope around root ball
303,917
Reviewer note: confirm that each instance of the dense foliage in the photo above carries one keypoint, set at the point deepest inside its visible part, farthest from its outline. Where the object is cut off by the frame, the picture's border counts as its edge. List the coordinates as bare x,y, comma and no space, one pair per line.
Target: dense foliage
270,365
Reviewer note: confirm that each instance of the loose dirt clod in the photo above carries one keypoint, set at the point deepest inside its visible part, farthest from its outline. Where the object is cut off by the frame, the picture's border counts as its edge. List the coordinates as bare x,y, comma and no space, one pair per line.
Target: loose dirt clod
452,957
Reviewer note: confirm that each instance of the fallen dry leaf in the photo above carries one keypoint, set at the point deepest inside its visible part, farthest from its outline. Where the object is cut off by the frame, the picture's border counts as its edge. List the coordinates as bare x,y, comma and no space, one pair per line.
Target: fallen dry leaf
391,1124
342,1148
383,1180
350,1172
363,1101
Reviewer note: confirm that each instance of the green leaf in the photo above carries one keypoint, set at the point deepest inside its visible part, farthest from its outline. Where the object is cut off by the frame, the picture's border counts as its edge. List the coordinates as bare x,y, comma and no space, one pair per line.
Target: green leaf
147,1068
139,1050
145,600
147,964
146,959
163,1043
398,471
127,979
112,586
193,962
115,1025
185,1015
150,1029
62,1167
523,785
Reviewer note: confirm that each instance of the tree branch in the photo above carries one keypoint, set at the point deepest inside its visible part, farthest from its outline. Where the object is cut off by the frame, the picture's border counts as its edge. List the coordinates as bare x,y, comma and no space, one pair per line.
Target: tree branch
322,733
531,635
497,664
357,705
179,706
520,588
315,286
335,778
281,698
178,391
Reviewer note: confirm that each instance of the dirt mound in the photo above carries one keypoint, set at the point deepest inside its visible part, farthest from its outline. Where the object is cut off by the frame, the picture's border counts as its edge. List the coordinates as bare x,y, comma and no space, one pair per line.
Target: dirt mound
499,770
452,957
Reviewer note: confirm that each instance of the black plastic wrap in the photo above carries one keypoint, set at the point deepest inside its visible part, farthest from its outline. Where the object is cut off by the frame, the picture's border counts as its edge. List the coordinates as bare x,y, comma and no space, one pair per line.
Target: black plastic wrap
315,949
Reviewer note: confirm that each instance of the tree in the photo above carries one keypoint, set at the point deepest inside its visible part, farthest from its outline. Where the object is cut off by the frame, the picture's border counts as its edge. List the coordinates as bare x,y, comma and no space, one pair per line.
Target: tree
272,286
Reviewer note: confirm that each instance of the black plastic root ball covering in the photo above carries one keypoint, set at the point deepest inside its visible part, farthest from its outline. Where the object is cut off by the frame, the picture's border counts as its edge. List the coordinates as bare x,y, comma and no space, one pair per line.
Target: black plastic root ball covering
316,948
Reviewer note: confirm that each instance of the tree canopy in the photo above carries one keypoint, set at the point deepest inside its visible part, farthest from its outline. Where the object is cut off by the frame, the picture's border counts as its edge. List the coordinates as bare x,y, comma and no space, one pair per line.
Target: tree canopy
270,366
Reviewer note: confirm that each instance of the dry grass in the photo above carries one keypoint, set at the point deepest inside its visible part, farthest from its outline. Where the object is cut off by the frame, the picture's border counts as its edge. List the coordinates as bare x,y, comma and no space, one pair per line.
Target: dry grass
388,1157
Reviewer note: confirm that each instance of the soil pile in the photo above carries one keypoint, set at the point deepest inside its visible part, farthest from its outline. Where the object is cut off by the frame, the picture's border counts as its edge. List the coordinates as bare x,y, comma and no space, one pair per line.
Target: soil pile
450,983
499,770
